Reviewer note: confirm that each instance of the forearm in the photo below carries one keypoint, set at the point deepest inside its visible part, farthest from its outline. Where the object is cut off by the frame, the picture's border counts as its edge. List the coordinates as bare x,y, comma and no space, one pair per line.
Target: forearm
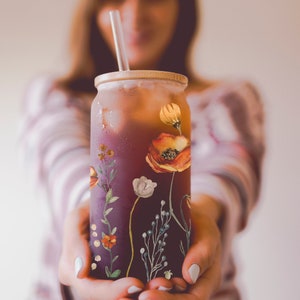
55,147
228,152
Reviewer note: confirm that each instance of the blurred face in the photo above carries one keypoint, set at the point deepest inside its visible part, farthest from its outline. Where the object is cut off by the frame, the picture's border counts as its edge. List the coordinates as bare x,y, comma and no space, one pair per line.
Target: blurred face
148,27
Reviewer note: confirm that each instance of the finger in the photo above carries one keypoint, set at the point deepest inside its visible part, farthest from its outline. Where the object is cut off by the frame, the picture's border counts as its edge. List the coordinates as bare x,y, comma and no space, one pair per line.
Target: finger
204,288
75,257
94,289
161,284
156,294
158,288
202,253
179,284
209,281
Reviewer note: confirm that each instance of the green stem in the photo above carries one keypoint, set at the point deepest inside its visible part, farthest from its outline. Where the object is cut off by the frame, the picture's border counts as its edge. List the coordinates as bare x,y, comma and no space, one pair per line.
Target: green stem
130,235
106,219
111,263
170,204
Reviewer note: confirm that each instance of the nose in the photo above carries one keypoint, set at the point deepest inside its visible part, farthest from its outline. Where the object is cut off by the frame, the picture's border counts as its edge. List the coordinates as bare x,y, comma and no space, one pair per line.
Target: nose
132,13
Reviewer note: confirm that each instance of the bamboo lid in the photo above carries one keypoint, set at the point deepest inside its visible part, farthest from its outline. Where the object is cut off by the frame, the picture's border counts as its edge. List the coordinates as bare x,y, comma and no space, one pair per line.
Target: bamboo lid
141,74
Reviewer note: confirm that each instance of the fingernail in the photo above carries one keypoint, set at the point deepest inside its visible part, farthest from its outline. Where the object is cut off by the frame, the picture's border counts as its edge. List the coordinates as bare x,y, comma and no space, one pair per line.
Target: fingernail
78,264
194,272
134,289
143,296
164,289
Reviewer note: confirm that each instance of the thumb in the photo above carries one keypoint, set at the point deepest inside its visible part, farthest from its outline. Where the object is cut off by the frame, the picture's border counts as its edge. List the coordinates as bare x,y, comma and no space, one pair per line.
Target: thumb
75,258
204,250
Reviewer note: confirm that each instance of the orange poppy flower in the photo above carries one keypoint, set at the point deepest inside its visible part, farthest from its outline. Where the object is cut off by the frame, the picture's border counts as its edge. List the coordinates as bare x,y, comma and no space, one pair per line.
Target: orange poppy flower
169,153
93,177
108,241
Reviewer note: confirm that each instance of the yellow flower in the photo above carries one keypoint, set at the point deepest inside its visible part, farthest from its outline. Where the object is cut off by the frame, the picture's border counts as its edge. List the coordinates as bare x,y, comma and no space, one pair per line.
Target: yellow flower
110,153
101,156
102,147
170,114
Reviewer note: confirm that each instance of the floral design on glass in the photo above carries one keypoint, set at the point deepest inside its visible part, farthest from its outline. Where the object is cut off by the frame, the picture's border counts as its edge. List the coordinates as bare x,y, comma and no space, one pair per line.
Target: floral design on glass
155,240
143,188
170,114
167,154
170,154
107,173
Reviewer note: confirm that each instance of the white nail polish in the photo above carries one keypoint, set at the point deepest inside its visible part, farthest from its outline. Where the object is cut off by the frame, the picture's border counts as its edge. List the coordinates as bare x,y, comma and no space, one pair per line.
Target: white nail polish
134,289
78,264
164,289
194,272
143,296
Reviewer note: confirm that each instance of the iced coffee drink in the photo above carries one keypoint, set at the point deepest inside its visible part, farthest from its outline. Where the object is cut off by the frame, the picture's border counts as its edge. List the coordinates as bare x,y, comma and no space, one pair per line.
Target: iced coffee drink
140,175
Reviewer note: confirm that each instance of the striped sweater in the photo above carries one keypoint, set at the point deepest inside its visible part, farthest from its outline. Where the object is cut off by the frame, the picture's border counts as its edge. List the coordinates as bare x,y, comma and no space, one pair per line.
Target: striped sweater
227,154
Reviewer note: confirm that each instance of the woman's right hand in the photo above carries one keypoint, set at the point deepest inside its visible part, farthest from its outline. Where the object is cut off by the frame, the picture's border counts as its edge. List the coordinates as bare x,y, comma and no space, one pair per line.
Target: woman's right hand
75,263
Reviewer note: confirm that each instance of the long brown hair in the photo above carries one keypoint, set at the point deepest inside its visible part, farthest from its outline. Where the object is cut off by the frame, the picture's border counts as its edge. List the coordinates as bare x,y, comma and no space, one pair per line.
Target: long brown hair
90,55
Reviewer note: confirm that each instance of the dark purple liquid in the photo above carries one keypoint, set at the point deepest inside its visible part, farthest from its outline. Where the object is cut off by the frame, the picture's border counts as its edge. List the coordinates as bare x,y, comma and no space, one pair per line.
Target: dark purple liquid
160,236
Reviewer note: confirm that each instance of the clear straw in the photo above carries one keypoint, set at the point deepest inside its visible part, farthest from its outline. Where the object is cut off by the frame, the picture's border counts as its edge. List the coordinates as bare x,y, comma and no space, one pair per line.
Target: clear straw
119,40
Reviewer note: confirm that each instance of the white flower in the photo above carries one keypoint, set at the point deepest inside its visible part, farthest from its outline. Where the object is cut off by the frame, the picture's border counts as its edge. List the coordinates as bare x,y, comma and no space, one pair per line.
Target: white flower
143,187
168,274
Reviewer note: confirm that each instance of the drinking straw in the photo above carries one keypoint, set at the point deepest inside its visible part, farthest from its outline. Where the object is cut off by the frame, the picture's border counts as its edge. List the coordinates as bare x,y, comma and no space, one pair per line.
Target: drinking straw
119,40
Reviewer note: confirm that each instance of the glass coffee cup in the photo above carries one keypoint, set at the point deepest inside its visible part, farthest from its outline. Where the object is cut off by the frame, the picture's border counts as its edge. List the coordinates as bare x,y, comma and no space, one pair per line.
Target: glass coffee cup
140,222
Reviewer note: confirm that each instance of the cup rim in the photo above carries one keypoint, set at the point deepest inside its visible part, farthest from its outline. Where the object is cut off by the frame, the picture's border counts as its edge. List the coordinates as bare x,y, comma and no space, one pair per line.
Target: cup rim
140,74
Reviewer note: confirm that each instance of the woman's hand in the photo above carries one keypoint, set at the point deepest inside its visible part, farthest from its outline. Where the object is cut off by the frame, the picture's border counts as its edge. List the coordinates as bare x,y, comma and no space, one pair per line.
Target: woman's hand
75,262
201,268
202,265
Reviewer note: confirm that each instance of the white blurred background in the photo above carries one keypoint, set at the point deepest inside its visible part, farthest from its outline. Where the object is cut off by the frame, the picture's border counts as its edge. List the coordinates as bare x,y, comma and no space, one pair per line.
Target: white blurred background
258,40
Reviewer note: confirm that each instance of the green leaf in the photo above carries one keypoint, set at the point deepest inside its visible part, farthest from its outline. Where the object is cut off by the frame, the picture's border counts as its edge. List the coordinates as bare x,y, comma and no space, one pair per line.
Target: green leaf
112,164
114,230
112,175
104,221
115,258
108,211
113,199
108,195
115,274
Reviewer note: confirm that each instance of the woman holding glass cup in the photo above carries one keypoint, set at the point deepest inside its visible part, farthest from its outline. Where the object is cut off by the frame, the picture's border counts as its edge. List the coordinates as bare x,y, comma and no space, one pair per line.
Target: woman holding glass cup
227,152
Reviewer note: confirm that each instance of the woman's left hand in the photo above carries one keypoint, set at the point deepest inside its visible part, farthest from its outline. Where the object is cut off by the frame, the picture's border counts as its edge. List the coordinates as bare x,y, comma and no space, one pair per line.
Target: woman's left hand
202,265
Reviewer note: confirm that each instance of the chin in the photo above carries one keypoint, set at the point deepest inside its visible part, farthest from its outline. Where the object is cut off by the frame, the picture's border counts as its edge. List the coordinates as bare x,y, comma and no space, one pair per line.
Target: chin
141,64
142,59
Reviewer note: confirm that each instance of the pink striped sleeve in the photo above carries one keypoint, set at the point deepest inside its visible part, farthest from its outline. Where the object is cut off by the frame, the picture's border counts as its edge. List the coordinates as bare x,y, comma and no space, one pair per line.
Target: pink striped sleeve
55,142
227,152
